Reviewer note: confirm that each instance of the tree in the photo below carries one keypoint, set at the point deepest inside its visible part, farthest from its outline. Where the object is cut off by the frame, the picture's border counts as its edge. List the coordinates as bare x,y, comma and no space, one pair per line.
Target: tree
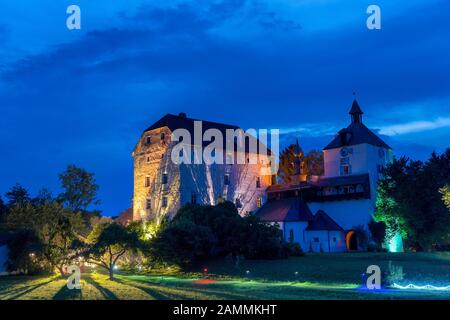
182,243
409,201
286,167
314,163
108,243
56,228
80,188
17,195
3,211
446,196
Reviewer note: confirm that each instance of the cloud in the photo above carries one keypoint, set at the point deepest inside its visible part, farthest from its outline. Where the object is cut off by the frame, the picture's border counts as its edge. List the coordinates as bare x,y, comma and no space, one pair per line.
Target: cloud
414,127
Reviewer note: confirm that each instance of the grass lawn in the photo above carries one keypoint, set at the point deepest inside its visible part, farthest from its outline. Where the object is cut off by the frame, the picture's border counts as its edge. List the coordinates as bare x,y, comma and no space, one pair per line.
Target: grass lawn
319,276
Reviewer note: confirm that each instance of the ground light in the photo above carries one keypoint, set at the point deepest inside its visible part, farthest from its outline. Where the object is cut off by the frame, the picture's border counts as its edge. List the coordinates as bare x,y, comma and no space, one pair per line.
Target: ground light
425,287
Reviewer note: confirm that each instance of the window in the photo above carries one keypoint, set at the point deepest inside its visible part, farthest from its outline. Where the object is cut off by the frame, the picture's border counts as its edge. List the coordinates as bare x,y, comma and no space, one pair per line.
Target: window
334,239
291,235
258,202
346,169
226,180
258,182
163,136
147,181
316,239
238,203
164,202
148,204
193,198
164,178
148,159
148,140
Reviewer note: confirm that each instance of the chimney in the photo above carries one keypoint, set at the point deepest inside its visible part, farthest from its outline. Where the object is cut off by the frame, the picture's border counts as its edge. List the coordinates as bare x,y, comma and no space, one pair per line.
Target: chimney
182,115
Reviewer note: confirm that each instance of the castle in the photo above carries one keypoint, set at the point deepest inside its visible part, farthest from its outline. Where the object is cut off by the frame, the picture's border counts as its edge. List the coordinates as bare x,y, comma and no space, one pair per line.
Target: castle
320,213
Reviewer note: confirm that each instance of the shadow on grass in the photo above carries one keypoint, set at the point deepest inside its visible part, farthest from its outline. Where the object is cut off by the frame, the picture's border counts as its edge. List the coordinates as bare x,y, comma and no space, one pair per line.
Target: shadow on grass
68,294
106,293
151,292
157,291
24,290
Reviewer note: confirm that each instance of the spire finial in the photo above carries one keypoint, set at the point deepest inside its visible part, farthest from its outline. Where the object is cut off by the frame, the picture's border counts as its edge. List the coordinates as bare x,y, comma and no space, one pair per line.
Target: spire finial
356,112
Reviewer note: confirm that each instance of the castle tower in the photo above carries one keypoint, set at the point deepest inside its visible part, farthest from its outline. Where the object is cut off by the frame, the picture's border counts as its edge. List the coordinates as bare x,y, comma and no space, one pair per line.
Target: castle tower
299,165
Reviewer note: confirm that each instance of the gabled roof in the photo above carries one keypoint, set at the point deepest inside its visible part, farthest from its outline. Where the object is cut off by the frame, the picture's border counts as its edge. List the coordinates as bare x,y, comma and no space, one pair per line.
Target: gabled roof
356,133
323,222
181,121
285,210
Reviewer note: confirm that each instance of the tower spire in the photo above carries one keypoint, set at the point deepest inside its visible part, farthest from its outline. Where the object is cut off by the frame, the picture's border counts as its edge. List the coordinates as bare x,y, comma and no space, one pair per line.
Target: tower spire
356,112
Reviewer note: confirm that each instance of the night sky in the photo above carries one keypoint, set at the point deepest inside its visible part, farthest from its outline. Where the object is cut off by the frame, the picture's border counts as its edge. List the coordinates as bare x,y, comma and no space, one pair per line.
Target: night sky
84,96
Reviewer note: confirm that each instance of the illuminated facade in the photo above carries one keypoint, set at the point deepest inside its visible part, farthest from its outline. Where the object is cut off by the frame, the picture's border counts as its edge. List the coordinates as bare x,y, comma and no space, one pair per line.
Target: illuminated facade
161,186
322,212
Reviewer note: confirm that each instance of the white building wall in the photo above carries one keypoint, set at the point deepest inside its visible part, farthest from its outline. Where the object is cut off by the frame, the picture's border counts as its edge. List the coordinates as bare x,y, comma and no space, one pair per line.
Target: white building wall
328,241
298,229
364,159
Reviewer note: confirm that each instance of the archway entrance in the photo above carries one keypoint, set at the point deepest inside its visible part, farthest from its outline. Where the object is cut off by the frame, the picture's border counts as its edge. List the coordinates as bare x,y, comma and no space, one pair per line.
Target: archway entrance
351,240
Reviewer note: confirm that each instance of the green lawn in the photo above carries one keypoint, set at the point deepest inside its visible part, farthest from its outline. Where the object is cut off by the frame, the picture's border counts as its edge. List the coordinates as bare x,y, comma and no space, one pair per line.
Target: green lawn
319,276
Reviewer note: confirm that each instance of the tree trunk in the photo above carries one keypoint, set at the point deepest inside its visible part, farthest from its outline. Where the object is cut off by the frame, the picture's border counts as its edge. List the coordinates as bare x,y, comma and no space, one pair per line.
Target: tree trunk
111,273
61,271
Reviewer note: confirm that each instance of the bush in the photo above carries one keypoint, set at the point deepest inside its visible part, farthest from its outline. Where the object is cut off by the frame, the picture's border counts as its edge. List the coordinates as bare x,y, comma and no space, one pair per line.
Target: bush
293,249
182,243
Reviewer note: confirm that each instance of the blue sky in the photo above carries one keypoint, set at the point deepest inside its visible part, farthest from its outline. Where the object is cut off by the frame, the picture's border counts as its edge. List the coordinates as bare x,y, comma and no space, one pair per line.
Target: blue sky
84,96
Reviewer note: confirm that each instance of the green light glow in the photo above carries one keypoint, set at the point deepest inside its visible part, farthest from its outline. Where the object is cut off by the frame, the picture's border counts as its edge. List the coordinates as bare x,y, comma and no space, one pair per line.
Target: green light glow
395,244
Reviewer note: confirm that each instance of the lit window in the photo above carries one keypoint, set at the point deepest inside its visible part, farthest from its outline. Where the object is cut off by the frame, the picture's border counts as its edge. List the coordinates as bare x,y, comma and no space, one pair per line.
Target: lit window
258,202
147,181
226,180
164,202
193,198
164,178
346,169
148,204
258,182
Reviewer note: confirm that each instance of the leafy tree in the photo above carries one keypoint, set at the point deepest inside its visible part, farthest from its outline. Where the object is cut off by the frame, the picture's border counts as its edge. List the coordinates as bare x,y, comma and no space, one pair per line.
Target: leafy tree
24,253
54,226
108,243
3,211
314,163
409,201
377,232
446,196
80,188
182,243
287,164
17,195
